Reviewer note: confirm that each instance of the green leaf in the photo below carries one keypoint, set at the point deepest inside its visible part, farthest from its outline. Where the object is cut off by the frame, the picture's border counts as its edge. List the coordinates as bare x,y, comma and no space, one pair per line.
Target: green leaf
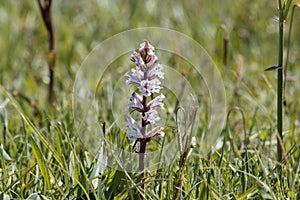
286,8
248,192
73,168
273,68
41,162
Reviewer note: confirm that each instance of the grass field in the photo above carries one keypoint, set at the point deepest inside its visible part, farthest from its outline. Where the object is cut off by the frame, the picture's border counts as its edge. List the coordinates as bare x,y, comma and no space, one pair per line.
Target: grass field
43,148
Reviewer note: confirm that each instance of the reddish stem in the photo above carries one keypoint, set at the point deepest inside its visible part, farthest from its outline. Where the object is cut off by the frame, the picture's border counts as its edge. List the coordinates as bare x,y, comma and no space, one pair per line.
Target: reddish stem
143,143
46,14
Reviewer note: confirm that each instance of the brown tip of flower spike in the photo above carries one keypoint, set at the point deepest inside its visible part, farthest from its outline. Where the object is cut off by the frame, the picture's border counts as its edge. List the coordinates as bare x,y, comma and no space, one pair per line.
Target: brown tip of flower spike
146,51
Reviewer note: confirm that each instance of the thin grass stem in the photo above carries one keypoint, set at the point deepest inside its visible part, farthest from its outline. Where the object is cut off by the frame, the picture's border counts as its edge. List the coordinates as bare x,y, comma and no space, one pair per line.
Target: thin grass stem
280,79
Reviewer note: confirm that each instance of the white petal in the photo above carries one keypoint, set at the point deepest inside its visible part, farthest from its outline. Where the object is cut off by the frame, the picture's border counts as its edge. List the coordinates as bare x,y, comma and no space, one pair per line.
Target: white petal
157,102
151,116
135,77
149,87
135,102
136,58
157,131
133,130
155,72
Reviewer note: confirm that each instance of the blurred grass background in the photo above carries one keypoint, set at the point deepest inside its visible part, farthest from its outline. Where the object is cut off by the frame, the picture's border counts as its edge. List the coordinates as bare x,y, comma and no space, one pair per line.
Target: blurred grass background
249,26
251,30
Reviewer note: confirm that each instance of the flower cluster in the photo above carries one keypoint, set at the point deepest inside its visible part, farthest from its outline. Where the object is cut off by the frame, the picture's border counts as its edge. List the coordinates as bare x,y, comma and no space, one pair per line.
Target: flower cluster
145,76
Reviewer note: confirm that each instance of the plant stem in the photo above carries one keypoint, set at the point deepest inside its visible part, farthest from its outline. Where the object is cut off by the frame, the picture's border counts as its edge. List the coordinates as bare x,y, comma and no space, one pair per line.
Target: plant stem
142,151
280,80
143,143
46,14
142,161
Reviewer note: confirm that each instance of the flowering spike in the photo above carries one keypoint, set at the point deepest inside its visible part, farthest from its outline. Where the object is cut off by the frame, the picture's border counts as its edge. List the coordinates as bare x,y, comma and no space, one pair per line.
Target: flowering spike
145,76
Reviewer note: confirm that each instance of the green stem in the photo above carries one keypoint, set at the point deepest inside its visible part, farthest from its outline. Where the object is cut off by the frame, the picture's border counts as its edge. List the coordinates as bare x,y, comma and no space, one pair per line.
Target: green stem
280,80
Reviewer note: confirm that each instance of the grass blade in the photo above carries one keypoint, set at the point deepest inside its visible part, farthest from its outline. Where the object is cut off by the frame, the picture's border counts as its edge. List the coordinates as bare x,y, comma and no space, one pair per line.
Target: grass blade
41,162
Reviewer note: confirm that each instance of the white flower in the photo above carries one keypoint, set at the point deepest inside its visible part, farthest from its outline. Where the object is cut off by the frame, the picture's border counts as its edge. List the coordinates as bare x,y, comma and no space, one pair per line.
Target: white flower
157,102
148,87
151,116
157,131
145,77
137,59
155,71
133,130
135,102
135,77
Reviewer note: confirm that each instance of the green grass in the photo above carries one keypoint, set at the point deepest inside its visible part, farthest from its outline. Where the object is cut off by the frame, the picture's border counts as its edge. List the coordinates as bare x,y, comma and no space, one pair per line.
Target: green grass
43,154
